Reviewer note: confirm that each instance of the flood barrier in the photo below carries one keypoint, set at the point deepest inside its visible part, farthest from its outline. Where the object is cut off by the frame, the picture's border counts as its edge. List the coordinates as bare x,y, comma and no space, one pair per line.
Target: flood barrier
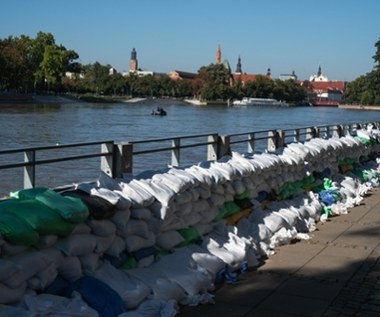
170,235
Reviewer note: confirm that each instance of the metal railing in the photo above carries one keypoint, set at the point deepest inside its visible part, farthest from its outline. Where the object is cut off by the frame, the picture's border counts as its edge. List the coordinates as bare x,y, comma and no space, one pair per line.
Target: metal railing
118,159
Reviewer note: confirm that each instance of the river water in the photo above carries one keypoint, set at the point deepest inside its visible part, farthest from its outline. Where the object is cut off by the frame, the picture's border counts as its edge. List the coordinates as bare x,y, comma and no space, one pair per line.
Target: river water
31,125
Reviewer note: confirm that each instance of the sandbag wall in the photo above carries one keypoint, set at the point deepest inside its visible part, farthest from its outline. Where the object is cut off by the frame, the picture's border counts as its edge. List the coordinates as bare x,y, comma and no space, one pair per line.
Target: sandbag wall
171,234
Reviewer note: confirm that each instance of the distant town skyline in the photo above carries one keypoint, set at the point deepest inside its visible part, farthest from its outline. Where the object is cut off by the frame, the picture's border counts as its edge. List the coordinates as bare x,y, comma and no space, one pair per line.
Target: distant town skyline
284,36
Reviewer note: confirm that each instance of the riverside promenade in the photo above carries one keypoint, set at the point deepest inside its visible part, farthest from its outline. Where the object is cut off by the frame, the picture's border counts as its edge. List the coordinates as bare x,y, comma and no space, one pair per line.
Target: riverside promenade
335,273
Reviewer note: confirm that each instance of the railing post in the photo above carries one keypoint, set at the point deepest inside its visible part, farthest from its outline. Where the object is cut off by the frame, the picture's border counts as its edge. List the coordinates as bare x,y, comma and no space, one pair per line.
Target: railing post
327,132
30,170
280,138
251,142
223,147
310,133
106,162
176,151
272,140
296,135
122,159
337,131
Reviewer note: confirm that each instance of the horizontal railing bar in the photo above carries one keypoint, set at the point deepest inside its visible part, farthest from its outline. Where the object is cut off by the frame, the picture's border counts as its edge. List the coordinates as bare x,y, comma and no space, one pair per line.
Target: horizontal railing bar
53,147
47,161
171,138
171,148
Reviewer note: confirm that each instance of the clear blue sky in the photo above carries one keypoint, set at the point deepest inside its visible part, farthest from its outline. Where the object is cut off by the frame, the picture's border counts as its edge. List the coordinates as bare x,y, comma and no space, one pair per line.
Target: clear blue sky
284,35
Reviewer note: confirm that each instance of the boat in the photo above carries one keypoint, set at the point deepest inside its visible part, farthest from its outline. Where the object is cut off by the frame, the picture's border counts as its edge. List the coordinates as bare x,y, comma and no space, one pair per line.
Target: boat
195,102
158,112
246,101
324,103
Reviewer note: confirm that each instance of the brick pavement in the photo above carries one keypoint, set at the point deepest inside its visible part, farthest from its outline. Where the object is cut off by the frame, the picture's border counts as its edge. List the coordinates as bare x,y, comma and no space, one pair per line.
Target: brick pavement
335,274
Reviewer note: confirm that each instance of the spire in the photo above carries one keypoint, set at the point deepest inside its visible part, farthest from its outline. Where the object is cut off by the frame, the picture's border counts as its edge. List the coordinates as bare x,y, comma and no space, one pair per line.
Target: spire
319,71
268,72
218,55
238,66
133,61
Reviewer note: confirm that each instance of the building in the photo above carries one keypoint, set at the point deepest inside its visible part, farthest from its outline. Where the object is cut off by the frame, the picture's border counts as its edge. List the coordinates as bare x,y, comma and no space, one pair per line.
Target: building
218,55
325,91
180,75
243,77
133,63
291,76
133,67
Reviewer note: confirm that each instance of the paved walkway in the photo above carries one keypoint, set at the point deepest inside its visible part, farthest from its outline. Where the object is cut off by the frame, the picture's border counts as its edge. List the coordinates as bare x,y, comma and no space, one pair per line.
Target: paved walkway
336,273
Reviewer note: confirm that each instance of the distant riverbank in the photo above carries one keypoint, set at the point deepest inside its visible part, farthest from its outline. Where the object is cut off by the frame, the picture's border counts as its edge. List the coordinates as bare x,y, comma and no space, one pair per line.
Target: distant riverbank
359,107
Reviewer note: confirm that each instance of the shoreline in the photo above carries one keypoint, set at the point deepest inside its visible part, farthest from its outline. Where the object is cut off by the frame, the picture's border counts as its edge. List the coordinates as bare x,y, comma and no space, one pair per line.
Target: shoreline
358,107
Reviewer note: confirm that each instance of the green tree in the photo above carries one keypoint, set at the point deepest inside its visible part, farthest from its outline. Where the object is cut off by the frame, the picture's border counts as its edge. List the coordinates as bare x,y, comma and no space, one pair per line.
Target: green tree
214,82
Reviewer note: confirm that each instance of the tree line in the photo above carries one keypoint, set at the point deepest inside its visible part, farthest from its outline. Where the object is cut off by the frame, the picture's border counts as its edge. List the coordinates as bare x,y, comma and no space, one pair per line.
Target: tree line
40,65
365,89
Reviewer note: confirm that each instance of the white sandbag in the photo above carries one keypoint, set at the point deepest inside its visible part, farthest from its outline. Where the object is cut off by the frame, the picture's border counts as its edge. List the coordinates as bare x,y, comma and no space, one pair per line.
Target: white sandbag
208,261
54,255
204,228
162,211
272,221
169,239
134,242
117,246
9,249
102,228
184,209
103,243
167,180
170,223
154,307
159,190
90,263
204,192
203,175
136,227
141,213
57,306
207,216
146,261
106,181
30,263
184,176
182,269
136,193
131,290
183,198
46,241
216,200
81,227
70,268
7,269
8,310
161,287
11,295
121,218
192,219
43,278
77,244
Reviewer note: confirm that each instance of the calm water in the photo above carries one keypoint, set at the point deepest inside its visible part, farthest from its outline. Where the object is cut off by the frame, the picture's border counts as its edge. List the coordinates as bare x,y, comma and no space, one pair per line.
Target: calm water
40,125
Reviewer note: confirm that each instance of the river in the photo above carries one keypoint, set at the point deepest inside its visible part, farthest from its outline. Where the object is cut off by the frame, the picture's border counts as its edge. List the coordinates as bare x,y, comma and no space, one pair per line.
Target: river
31,125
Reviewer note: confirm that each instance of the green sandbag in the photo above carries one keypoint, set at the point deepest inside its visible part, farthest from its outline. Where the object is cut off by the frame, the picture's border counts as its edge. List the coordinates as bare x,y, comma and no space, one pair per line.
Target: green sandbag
17,231
40,217
189,235
244,195
70,208
229,208
130,263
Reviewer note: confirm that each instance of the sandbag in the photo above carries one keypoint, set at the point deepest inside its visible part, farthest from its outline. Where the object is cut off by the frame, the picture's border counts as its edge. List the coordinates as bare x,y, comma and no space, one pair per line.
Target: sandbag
98,207
97,295
70,208
42,218
131,291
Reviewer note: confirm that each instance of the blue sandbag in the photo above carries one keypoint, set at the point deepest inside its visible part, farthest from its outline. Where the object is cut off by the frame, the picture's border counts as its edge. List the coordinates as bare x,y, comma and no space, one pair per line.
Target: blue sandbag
97,295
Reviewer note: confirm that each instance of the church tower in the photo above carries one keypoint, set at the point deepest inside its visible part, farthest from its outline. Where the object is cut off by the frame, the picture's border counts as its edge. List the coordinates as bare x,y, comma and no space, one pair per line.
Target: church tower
133,62
218,56
238,66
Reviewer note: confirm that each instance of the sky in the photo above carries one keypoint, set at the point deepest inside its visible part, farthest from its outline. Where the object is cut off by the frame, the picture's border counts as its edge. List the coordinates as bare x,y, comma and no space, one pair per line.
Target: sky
283,35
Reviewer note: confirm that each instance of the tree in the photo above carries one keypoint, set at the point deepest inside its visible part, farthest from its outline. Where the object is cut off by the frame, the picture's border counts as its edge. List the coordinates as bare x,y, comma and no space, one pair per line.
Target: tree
214,82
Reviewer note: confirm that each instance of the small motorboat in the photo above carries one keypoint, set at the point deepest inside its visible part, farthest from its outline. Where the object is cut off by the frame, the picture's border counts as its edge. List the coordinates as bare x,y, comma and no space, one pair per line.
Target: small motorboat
158,112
